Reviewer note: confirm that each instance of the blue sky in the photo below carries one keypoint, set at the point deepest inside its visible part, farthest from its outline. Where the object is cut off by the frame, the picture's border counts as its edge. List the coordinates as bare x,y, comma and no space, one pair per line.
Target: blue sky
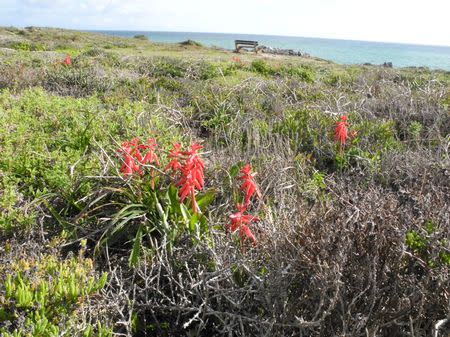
409,21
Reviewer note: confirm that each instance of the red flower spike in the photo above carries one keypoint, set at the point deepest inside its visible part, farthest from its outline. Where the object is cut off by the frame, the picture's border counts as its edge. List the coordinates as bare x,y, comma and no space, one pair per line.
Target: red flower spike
150,157
129,165
67,60
246,232
341,133
240,221
192,176
133,158
248,185
175,154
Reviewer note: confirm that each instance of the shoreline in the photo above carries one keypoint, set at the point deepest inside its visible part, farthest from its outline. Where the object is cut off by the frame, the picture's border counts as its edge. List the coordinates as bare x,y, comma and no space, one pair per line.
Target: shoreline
355,45
176,40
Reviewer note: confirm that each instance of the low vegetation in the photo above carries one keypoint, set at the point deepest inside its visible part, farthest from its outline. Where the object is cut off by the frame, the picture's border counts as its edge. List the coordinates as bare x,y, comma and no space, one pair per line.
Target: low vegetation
130,202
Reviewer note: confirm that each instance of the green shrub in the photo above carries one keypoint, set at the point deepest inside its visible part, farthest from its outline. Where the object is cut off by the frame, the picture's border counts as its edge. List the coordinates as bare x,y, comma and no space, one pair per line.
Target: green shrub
305,74
41,296
49,145
426,245
77,81
208,71
414,130
261,67
140,37
167,67
168,83
307,130
191,43
23,46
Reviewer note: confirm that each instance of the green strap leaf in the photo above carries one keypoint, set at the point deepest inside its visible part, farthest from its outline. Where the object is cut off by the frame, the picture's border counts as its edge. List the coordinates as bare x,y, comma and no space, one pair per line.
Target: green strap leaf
135,252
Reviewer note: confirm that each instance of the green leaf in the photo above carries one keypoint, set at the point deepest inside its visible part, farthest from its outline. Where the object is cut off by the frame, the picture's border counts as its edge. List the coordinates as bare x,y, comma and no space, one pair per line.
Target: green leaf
193,222
185,213
172,194
101,281
134,256
205,199
234,170
125,215
163,216
120,225
64,224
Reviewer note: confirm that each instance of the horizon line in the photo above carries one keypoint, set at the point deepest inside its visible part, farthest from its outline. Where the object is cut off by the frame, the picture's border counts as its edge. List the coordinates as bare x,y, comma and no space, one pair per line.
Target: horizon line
158,30
275,35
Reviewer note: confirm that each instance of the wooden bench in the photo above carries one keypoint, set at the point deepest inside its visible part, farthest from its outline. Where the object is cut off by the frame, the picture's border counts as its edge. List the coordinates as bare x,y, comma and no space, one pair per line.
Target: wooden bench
239,44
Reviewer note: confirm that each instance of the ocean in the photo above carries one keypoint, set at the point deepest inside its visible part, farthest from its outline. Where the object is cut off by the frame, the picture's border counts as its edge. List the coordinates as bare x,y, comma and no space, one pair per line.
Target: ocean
339,51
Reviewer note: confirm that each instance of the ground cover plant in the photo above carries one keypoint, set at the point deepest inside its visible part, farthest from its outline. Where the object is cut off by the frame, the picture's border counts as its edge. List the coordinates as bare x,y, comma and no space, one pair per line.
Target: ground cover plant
130,203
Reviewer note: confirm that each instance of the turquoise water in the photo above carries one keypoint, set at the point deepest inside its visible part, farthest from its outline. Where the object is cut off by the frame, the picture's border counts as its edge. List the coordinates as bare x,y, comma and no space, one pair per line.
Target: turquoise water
340,51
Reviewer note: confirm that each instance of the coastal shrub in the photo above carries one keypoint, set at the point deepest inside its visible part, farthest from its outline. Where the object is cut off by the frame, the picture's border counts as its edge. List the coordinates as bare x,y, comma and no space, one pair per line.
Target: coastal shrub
68,131
93,52
429,245
219,117
415,129
377,136
168,83
214,111
168,67
19,76
23,46
262,67
307,130
305,74
208,71
140,37
77,81
15,213
191,43
41,295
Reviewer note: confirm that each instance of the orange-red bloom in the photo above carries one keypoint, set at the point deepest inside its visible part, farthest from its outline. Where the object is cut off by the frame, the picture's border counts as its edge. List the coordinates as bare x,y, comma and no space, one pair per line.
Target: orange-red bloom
150,156
341,133
129,165
248,184
241,221
133,158
175,154
192,176
236,60
67,60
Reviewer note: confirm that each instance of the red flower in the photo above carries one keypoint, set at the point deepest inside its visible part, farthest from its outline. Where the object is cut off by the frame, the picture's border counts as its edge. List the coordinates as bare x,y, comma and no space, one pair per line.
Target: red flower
133,158
67,60
341,133
248,185
175,154
192,176
240,221
150,157
129,165
237,60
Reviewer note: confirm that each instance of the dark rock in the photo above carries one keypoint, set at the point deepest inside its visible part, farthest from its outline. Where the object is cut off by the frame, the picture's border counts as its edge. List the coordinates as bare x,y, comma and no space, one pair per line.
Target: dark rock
279,51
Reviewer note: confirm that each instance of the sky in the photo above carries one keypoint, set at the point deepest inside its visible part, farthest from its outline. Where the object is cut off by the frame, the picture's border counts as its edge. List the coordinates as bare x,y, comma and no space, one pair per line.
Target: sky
407,21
